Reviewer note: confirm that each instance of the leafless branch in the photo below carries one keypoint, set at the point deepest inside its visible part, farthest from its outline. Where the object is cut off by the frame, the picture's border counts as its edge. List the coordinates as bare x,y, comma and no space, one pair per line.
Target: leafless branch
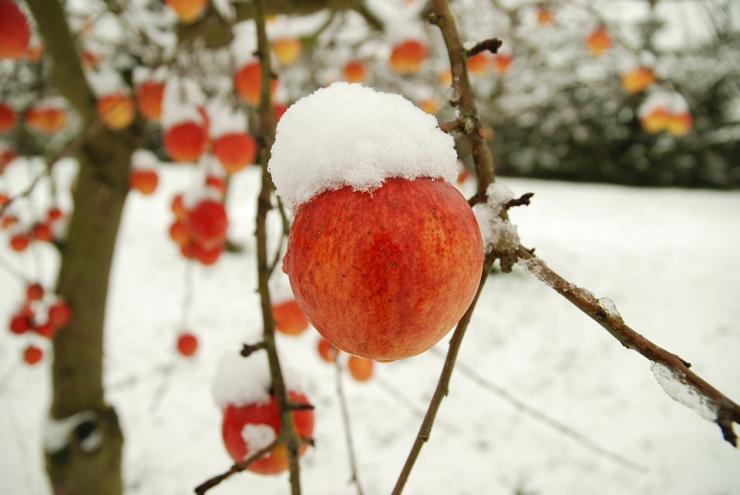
236,468
347,430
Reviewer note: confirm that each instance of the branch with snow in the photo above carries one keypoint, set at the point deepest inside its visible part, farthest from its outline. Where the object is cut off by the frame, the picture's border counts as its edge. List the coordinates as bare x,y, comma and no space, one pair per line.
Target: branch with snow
672,372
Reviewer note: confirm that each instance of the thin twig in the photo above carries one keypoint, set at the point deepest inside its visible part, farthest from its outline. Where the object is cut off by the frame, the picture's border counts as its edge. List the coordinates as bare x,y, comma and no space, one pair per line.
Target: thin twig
347,430
490,45
236,468
727,411
288,435
543,418
465,101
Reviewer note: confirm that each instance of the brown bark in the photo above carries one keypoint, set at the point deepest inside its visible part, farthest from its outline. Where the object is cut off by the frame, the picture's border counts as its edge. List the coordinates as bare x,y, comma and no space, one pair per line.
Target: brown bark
83,466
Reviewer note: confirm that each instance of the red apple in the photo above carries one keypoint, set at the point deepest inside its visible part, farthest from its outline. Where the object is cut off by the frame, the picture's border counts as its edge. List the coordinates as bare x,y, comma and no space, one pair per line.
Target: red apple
502,63
237,417
116,111
144,180
54,214
179,233
149,96
287,50
479,63
185,142
407,57
385,275
289,319
248,82
188,10
46,119
60,314
207,256
34,292
187,344
7,117
19,242
20,322
32,355
15,33
360,369
45,330
235,151
656,120
327,351
355,71
638,80
207,223
598,42
42,232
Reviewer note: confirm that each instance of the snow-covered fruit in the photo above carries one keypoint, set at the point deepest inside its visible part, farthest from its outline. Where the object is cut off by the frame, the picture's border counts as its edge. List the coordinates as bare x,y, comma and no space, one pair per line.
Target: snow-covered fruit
405,271
253,422
289,319
384,255
15,33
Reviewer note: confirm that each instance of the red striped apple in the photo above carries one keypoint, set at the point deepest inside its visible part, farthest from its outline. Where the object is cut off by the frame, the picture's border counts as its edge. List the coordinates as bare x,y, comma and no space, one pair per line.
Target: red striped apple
385,275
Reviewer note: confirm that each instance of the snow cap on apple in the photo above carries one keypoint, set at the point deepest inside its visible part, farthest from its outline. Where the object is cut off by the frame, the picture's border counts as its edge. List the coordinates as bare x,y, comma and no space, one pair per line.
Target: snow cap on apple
384,255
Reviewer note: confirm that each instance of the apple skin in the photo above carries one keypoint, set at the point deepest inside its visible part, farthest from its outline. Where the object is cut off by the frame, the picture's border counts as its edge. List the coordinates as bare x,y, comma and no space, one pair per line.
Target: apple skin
385,275
235,418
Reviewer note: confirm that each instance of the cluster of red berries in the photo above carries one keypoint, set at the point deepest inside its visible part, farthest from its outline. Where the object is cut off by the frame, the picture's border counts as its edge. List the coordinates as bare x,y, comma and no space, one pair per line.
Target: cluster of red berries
199,231
41,314
40,231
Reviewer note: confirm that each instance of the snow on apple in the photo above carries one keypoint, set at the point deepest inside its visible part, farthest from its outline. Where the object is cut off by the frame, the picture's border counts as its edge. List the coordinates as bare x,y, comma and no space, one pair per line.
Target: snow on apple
376,174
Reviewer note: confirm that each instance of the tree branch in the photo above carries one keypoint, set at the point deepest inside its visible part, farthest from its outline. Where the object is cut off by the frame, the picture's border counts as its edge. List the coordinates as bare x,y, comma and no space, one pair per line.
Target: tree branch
236,468
465,101
727,412
288,435
347,430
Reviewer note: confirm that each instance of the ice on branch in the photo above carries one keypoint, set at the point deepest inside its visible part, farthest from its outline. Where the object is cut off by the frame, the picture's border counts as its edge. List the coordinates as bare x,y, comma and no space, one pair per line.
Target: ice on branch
57,431
351,135
240,381
496,232
609,308
679,390
257,437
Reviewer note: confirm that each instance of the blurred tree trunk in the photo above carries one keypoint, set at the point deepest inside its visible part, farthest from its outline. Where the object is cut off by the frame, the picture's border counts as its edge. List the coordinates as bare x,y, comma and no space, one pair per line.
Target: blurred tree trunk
89,462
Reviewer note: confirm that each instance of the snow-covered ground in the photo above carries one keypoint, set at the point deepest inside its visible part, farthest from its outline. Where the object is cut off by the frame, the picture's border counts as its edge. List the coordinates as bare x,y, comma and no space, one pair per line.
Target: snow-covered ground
669,259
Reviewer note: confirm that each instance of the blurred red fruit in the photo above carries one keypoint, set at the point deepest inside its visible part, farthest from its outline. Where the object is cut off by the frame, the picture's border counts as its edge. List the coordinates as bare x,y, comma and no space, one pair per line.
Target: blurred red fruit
355,71
207,223
42,232
60,314
185,142
235,151
34,292
207,255
144,180
289,319
149,96
7,117
19,242
408,56
187,344
247,82
15,33
32,355
361,369
327,351
20,323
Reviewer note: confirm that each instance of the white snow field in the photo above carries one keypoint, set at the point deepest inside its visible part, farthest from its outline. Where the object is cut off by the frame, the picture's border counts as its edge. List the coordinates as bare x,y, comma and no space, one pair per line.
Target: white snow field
669,259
